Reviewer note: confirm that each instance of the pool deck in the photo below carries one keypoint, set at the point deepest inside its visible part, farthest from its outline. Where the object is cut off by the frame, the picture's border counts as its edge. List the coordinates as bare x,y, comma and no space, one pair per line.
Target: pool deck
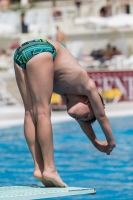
10,116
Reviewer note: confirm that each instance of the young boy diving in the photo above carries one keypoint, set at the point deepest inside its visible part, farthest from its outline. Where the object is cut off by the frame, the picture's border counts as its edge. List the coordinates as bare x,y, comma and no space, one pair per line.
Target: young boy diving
43,67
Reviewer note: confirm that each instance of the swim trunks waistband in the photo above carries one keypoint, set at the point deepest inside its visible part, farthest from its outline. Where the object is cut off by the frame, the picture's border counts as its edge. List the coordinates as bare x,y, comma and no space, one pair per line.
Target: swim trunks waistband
30,49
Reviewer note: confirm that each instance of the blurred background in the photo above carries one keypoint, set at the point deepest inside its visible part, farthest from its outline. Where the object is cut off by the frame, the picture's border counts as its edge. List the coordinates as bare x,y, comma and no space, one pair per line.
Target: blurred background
97,33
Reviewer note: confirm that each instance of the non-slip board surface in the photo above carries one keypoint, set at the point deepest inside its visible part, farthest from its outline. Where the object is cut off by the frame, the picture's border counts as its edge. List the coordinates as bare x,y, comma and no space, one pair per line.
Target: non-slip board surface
40,192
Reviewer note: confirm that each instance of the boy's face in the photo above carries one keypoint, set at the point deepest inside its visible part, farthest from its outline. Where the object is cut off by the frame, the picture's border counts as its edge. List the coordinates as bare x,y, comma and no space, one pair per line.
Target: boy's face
80,108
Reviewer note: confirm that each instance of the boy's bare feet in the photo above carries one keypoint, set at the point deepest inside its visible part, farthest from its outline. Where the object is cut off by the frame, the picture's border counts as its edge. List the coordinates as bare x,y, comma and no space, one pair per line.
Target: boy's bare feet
49,179
54,177
38,175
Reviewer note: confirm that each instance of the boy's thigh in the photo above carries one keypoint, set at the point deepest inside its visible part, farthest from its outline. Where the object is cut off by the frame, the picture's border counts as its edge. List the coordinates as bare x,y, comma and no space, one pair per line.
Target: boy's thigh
40,72
22,82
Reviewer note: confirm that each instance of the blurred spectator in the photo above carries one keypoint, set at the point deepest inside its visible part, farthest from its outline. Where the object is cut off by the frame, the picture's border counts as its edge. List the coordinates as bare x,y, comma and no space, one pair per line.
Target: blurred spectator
3,54
61,36
106,10
128,9
57,14
78,4
107,55
103,12
115,51
97,54
4,4
14,45
24,27
54,3
5,60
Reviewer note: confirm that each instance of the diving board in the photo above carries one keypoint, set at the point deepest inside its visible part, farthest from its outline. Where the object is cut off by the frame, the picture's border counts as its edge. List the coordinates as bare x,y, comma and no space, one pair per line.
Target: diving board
37,192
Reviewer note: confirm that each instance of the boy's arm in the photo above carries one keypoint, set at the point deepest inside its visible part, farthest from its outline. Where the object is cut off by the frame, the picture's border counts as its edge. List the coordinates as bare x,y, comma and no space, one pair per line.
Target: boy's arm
88,130
99,113
86,127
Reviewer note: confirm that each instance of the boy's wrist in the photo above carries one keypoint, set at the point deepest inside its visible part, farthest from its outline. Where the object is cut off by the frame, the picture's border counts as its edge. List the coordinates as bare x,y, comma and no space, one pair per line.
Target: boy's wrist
95,142
112,143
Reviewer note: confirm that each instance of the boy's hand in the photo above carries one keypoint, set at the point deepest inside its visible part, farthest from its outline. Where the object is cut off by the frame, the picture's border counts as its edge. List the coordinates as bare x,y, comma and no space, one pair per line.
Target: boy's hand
110,148
104,147
101,146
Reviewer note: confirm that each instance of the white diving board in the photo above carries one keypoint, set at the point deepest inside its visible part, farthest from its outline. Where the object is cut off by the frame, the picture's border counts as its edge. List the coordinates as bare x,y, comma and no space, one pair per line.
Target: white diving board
40,192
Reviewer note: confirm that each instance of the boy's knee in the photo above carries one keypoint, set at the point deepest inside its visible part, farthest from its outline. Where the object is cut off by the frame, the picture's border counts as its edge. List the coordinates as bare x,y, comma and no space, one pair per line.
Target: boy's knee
41,113
28,113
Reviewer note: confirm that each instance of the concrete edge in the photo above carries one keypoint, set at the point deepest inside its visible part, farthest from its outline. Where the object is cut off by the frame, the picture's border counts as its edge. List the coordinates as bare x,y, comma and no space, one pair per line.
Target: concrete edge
62,118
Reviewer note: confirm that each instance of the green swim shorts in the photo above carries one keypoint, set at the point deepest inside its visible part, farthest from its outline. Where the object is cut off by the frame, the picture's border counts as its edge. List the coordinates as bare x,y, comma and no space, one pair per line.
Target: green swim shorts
30,49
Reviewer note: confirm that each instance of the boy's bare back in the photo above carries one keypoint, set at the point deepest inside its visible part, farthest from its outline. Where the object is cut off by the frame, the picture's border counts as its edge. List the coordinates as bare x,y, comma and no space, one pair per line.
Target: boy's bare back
69,76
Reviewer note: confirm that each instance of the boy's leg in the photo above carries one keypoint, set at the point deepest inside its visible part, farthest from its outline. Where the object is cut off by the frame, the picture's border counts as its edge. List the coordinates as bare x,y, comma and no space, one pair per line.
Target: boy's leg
40,72
29,124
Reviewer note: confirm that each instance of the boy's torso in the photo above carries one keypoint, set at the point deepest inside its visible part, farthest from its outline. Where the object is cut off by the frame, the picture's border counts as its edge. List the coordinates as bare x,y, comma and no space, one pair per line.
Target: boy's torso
69,76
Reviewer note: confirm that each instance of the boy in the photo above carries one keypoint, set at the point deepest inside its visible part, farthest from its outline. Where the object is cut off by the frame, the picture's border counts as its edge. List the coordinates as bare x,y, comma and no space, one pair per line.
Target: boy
42,67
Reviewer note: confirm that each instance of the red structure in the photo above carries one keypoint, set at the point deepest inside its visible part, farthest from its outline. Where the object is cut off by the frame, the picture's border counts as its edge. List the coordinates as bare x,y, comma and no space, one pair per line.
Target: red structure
106,80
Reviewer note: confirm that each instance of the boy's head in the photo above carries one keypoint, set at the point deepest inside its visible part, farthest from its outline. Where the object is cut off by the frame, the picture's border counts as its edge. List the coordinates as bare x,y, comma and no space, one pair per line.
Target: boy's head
79,107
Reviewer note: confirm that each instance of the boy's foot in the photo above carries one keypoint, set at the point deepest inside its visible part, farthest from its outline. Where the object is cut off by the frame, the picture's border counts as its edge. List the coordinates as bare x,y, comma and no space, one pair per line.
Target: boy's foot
46,183
54,178
49,179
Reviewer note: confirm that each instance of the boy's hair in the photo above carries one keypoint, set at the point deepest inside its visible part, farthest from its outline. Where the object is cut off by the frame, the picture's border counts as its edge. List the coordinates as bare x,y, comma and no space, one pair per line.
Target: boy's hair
94,118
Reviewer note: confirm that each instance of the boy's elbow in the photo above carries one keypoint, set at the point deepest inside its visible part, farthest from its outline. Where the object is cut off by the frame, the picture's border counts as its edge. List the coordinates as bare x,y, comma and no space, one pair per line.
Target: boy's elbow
91,85
102,118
